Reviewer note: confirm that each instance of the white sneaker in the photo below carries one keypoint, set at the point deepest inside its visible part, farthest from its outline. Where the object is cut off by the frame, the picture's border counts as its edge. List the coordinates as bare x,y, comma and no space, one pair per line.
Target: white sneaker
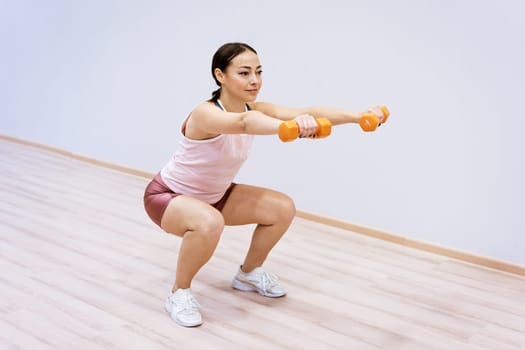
258,281
183,308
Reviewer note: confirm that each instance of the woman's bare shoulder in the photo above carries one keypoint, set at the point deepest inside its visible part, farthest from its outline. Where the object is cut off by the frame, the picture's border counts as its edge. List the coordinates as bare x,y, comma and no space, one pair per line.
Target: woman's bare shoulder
204,106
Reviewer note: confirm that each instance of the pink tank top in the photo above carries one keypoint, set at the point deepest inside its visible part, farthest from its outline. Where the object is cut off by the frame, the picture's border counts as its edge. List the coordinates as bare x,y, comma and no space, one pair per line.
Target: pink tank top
204,169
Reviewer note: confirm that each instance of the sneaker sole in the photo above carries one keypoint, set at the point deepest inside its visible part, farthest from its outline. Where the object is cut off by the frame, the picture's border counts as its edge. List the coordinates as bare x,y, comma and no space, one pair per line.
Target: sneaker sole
245,287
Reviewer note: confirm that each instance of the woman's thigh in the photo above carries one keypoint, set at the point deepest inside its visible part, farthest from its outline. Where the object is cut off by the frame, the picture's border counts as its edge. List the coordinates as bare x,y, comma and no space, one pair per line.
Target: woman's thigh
185,213
256,205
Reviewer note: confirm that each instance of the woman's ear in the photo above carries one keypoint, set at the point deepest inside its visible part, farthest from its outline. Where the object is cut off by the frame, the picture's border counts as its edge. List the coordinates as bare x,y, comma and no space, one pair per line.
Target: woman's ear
219,75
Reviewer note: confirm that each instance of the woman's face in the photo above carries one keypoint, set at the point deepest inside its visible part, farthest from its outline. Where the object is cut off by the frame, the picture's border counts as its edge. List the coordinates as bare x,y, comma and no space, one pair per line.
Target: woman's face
242,78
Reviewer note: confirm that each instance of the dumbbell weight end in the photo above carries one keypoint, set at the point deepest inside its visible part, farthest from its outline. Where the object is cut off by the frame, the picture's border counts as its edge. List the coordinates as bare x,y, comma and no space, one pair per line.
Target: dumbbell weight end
288,131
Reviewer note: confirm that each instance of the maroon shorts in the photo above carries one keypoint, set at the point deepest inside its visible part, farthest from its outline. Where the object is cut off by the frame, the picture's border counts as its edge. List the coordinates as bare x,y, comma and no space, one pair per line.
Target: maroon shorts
157,196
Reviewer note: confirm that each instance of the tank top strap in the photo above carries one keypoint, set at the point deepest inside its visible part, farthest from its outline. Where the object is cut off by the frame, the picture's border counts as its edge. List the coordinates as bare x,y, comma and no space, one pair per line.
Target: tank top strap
219,104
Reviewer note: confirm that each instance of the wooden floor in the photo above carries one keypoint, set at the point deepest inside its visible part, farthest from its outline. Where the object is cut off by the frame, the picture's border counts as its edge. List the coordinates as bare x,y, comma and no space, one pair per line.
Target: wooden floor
82,267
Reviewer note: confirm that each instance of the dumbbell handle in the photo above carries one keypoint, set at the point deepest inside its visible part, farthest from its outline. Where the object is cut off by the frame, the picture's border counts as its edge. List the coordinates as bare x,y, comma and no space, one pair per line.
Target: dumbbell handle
289,130
370,121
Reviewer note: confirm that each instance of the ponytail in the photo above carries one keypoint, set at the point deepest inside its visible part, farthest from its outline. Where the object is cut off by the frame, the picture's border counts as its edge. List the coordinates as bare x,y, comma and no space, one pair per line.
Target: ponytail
215,95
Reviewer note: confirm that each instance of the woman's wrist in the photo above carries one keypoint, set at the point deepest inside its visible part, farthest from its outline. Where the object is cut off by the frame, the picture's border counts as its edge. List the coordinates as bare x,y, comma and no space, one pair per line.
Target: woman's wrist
354,117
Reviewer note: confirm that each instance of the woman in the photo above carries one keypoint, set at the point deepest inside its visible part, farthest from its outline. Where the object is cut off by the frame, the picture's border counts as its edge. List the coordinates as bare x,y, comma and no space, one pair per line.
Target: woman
194,196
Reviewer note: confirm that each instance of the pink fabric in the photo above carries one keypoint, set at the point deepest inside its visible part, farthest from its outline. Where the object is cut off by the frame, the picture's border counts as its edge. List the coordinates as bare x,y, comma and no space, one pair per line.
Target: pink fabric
157,196
204,169
156,199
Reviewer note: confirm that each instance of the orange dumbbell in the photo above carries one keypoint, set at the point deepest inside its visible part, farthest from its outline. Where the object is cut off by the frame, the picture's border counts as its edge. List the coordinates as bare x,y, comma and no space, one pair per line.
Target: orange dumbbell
370,121
289,130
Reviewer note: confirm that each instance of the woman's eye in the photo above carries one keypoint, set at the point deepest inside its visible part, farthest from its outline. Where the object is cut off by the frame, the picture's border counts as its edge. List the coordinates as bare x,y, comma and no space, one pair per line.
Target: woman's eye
243,73
259,72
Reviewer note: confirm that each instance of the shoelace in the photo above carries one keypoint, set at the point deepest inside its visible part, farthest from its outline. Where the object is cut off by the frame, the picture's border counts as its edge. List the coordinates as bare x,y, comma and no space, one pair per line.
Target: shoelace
268,280
190,303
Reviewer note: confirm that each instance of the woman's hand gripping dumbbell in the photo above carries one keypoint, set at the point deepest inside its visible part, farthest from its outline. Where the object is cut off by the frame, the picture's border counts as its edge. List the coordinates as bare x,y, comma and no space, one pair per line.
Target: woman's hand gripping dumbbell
373,118
304,126
307,126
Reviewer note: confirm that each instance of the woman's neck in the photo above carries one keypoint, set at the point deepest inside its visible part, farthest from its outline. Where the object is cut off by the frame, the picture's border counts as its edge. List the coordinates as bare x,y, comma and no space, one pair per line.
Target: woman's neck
232,105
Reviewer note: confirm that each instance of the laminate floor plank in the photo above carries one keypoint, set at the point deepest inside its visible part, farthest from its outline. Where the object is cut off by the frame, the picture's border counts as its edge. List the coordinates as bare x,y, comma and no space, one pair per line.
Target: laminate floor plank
83,267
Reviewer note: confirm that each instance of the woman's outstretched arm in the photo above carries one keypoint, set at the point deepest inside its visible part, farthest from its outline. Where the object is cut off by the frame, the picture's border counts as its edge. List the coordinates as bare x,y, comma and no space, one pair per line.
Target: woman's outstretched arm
335,115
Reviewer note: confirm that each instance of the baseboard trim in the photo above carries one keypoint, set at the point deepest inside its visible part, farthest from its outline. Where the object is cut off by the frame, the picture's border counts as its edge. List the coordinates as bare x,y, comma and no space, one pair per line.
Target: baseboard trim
420,245
76,156
371,232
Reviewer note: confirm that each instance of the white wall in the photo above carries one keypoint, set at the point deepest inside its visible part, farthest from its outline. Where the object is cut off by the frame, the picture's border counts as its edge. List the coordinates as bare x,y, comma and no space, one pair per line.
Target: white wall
114,79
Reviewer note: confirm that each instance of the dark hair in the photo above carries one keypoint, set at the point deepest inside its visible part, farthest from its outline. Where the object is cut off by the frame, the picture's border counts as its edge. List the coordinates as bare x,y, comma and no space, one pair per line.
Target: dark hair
222,58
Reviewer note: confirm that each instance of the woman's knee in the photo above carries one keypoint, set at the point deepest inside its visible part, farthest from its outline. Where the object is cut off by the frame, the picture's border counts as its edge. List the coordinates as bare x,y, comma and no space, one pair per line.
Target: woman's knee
209,225
185,214
285,209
